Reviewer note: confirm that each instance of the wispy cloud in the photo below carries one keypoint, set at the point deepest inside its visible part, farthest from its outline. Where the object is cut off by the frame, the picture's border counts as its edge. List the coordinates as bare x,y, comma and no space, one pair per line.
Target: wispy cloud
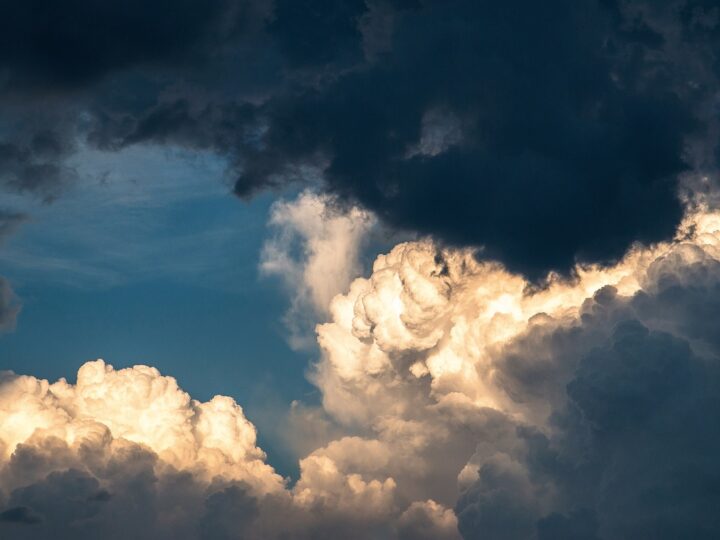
157,215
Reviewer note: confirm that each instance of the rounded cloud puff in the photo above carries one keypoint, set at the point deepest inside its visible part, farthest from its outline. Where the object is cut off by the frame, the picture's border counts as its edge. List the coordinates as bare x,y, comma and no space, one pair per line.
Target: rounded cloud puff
137,405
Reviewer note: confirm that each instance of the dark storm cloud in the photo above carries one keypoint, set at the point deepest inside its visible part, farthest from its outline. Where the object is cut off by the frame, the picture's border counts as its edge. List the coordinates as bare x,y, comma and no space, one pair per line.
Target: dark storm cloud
632,448
107,75
568,137
543,132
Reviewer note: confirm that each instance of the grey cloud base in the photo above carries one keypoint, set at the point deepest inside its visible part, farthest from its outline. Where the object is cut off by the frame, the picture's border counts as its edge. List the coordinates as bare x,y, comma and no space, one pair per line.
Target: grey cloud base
631,457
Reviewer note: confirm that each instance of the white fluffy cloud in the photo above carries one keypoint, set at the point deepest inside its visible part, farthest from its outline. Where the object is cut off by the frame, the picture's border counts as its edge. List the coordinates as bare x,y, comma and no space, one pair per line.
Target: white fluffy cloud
75,458
457,399
458,368
315,251
134,406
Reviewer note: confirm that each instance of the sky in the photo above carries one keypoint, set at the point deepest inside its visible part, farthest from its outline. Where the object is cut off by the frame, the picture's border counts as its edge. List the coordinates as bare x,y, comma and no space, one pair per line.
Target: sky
397,269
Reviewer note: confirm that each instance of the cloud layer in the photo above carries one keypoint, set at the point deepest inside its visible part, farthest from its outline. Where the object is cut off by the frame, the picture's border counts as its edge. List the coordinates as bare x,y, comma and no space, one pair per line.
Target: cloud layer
481,123
457,400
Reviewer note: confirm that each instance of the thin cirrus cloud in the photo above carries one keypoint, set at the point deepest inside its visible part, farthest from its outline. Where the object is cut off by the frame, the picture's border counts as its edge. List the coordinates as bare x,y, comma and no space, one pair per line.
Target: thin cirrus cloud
143,213
462,404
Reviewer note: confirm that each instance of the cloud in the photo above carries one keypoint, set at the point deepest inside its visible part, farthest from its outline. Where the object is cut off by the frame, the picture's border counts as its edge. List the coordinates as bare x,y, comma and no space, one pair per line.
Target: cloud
570,122
543,129
84,74
128,453
581,410
316,252
456,400
136,406
628,453
125,453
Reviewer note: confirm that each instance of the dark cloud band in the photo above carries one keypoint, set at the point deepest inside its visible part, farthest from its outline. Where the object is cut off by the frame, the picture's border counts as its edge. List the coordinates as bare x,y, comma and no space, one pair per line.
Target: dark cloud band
544,133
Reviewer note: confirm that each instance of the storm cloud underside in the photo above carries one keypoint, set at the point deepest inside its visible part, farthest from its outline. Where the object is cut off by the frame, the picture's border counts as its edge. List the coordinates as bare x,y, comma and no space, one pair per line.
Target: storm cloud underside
497,125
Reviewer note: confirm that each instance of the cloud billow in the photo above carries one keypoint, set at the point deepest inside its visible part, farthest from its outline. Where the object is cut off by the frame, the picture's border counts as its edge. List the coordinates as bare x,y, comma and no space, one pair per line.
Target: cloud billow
456,401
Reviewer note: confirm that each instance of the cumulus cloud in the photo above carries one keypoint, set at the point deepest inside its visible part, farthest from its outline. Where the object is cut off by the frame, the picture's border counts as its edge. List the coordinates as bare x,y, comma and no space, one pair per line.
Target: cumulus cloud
316,252
138,407
538,413
126,453
458,400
